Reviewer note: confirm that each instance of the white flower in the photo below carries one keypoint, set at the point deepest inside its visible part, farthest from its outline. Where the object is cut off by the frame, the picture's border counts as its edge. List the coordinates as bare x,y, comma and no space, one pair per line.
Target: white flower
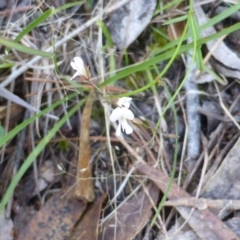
124,102
78,65
122,114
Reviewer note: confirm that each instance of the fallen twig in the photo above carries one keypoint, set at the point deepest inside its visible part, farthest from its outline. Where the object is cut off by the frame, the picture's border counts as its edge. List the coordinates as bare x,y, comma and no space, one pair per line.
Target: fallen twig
203,203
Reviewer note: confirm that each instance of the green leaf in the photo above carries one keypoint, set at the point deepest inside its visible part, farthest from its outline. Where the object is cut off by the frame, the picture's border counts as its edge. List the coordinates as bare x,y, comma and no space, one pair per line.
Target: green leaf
21,48
66,6
24,124
34,154
142,66
174,20
33,25
2,131
106,33
6,65
222,81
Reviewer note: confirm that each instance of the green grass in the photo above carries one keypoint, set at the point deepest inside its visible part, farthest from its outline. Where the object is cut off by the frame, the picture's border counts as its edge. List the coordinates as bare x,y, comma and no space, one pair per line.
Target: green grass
34,154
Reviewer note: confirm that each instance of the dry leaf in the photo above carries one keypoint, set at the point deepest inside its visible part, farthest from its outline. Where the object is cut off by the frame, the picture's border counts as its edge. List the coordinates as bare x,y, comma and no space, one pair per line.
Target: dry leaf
46,176
234,224
16,113
175,30
127,23
55,220
213,107
87,228
131,216
204,223
6,226
228,59
175,234
225,183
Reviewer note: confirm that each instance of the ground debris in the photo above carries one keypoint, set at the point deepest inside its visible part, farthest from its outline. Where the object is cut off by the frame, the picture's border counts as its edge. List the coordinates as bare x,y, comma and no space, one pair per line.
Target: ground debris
128,22
204,223
55,220
131,216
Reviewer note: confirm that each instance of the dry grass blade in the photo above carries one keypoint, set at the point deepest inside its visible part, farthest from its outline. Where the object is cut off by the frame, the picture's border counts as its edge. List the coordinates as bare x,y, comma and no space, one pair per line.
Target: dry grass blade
203,222
14,98
84,186
131,216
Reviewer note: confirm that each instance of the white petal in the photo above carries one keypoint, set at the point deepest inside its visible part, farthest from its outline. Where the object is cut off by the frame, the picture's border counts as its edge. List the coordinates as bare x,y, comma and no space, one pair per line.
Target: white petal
118,132
80,66
116,114
124,102
126,127
79,62
126,113
74,66
75,75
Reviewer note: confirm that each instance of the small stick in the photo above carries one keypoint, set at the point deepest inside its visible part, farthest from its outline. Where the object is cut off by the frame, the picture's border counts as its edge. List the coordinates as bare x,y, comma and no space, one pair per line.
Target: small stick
203,203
